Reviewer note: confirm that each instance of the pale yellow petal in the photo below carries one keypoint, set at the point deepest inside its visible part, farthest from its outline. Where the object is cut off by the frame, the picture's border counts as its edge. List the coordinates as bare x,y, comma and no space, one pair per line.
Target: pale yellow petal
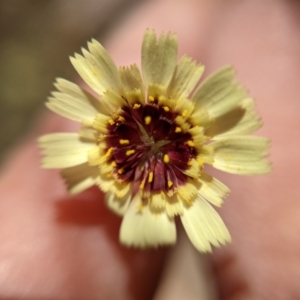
73,102
89,134
244,155
201,117
80,178
204,226
186,75
143,228
219,94
184,107
188,191
63,150
108,184
131,79
212,86
97,68
212,189
113,100
94,156
174,206
101,122
241,120
158,58
193,169
198,136
118,205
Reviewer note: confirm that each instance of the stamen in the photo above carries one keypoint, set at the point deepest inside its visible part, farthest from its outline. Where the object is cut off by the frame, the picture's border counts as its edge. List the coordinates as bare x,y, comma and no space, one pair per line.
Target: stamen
147,120
142,185
170,183
121,119
113,164
150,179
129,152
184,113
166,158
136,105
121,171
178,129
166,108
109,151
151,98
124,142
190,143
111,121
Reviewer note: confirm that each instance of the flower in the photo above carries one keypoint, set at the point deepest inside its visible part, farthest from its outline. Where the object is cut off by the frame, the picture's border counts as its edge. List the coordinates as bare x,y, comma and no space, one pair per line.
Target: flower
145,139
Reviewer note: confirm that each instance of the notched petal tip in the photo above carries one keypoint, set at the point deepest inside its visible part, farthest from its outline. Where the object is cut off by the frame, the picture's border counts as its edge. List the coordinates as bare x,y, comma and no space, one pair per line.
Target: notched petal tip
204,226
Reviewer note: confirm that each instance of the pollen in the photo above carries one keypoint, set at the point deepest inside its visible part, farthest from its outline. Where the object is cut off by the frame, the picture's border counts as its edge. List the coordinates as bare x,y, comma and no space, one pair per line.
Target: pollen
170,183
166,158
142,185
109,151
124,142
130,152
113,164
190,143
166,108
121,119
111,121
136,105
178,129
147,120
150,179
151,98
121,171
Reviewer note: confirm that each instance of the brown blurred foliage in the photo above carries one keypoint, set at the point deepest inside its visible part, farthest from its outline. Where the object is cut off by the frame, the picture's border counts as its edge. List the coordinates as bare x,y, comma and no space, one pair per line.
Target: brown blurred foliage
36,38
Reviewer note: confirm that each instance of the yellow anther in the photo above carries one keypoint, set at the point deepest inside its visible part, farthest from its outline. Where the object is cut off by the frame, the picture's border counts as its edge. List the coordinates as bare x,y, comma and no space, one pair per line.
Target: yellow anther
121,119
124,142
147,120
111,121
136,105
190,143
109,151
166,108
184,113
170,183
178,129
142,185
151,98
113,164
166,158
150,178
121,171
129,152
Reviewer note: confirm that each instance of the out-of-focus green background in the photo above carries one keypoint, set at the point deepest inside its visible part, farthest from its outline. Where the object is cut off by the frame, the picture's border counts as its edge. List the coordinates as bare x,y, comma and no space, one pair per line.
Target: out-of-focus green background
36,38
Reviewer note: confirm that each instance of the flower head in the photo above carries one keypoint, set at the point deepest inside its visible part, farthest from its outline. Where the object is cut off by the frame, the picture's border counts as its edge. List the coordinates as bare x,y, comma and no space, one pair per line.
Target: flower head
146,137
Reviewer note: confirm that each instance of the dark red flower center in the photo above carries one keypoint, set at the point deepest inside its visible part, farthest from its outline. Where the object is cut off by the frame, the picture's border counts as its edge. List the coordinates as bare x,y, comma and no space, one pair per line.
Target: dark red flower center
147,146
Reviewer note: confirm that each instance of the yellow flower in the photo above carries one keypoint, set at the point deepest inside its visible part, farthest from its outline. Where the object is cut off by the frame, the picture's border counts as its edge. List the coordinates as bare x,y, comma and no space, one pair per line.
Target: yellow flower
145,139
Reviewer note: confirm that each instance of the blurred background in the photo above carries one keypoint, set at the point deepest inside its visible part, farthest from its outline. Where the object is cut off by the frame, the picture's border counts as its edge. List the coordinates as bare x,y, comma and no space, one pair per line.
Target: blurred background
36,39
